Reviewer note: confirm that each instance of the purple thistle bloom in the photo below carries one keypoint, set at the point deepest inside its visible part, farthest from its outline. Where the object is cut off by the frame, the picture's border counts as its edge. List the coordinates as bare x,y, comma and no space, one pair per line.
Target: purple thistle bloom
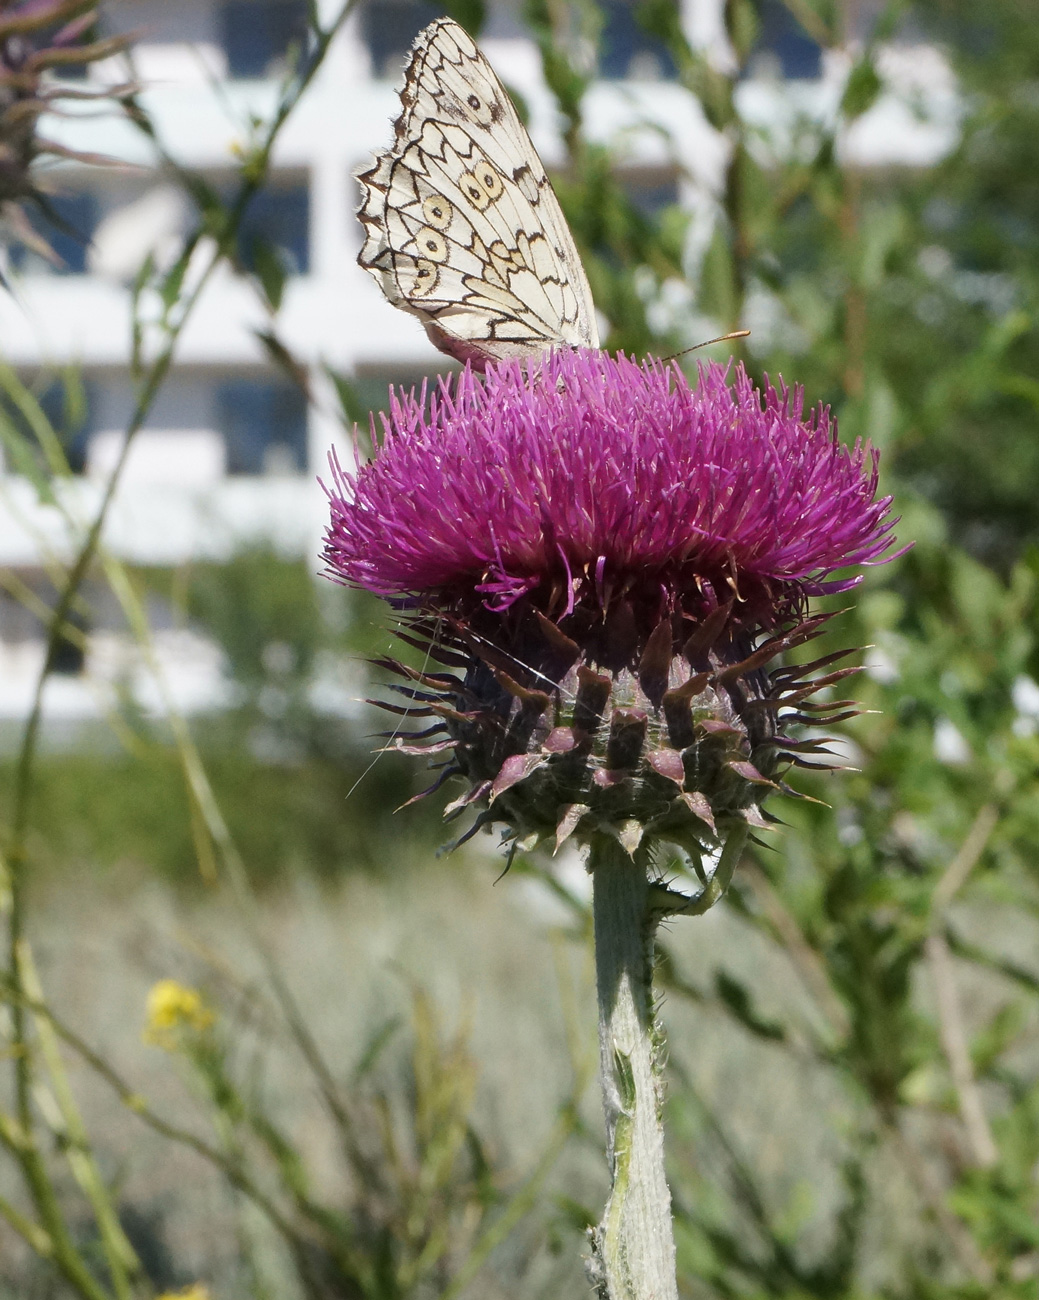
593,471
611,560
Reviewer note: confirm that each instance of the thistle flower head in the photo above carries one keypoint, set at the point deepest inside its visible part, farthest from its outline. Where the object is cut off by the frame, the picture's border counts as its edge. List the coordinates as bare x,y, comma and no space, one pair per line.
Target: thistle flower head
593,473
609,559
37,39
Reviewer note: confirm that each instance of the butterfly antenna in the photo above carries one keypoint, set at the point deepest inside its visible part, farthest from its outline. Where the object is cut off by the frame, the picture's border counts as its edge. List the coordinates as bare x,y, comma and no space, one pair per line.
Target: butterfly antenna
722,338
393,735
536,673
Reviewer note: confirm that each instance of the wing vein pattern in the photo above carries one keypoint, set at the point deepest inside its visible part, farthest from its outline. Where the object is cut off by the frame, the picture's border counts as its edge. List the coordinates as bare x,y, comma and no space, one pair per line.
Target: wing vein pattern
462,227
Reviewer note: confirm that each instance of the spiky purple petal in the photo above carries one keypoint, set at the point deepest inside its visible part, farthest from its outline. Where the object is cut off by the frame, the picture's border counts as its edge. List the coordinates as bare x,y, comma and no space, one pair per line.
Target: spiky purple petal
588,470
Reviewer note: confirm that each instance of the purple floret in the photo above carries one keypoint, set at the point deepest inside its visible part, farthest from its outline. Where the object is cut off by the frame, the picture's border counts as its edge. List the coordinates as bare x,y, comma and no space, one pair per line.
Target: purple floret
595,471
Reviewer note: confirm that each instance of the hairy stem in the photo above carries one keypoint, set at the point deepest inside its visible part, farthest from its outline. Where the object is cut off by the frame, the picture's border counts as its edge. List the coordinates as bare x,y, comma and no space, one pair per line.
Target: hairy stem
633,1248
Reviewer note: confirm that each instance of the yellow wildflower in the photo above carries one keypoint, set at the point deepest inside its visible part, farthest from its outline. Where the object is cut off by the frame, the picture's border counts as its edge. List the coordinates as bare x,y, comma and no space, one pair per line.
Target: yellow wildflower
174,1009
194,1292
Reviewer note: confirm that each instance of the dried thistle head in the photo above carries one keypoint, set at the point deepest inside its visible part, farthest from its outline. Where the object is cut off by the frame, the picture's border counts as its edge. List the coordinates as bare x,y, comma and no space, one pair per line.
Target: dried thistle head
40,39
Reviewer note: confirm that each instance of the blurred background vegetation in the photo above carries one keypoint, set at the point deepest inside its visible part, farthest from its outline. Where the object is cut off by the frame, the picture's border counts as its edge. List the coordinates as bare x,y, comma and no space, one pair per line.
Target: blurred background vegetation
381,1090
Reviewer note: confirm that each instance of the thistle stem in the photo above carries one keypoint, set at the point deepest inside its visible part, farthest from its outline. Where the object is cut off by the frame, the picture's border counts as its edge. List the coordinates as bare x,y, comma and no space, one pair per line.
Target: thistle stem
633,1248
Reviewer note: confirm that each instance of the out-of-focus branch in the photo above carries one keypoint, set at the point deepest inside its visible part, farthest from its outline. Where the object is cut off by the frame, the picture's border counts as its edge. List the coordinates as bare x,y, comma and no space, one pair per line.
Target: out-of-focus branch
957,1052
933,1196
951,1025
806,960
973,846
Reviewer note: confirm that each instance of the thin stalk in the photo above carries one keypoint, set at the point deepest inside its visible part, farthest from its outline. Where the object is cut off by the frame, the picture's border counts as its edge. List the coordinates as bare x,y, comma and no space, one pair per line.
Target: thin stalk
204,806
855,305
735,203
951,1020
633,1248
522,1201
124,1267
236,1174
30,1158
51,1240
13,901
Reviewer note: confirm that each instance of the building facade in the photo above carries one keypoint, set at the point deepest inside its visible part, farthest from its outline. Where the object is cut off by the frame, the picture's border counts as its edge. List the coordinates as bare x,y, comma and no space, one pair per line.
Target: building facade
231,450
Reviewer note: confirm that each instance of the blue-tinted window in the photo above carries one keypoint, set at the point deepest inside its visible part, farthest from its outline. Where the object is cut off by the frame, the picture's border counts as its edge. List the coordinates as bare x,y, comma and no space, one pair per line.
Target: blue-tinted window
279,216
69,658
651,191
627,50
257,34
66,223
69,71
68,409
71,417
21,622
390,27
63,35
264,426
785,43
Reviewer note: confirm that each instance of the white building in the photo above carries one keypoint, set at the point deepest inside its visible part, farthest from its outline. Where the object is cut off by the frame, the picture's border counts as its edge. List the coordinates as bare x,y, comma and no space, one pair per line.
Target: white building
230,453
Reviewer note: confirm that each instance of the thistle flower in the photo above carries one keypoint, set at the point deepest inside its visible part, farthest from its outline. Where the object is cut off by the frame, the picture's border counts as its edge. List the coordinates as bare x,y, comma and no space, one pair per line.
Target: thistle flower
609,562
37,38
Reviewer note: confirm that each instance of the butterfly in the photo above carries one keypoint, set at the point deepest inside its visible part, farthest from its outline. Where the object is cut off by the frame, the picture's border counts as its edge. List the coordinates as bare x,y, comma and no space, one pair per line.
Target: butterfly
462,226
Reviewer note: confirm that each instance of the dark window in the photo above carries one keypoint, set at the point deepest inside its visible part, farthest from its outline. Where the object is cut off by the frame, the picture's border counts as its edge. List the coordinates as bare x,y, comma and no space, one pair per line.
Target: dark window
258,34
651,191
627,50
65,222
20,621
367,394
69,71
784,46
278,217
390,27
68,409
61,36
69,651
264,426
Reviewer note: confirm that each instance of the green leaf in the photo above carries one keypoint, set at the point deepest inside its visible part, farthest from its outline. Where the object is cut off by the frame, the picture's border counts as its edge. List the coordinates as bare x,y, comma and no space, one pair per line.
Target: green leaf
375,1047
293,370
625,1077
355,410
25,450
997,1037
171,283
472,14
744,27
271,270
738,1000
23,459
574,1213
519,102
863,87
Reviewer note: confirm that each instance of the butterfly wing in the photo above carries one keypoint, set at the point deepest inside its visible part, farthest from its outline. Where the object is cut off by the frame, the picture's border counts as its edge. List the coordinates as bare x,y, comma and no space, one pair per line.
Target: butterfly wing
462,227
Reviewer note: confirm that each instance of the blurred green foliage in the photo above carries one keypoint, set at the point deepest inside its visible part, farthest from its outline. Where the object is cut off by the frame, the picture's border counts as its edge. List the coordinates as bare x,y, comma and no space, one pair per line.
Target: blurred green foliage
132,812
